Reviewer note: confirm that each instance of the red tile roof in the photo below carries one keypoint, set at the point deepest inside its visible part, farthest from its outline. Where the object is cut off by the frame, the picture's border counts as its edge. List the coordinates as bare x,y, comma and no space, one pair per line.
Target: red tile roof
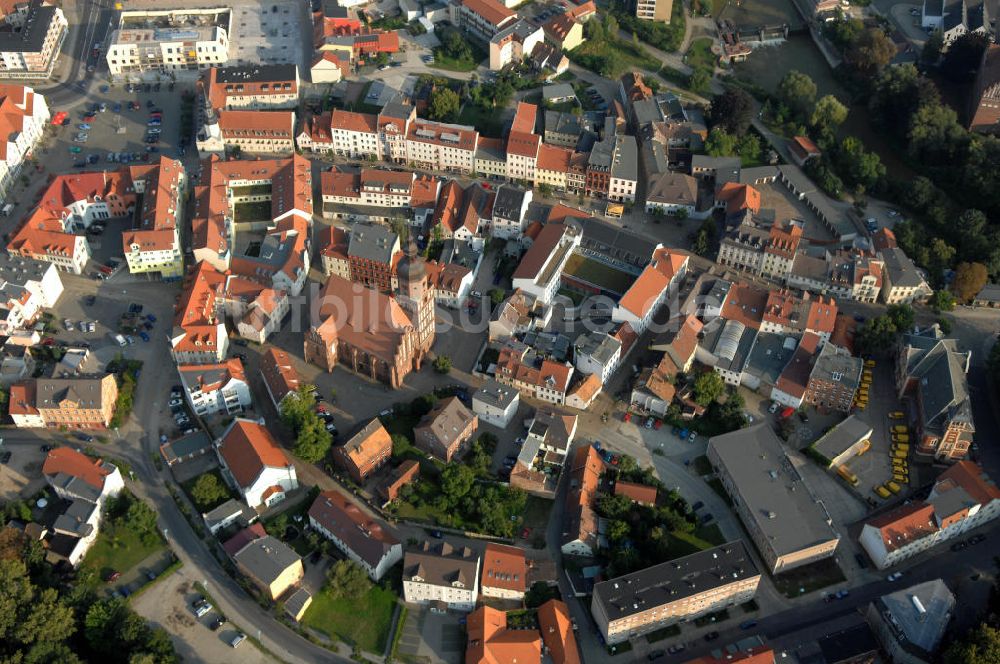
504,567
556,626
69,461
655,278
491,10
638,493
905,524
248,448
490,642
235,544
553,158
351,121
971,477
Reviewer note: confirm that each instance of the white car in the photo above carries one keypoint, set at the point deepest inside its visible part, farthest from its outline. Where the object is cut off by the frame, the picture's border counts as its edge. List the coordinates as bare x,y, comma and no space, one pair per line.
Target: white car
895,576
175,402
773,408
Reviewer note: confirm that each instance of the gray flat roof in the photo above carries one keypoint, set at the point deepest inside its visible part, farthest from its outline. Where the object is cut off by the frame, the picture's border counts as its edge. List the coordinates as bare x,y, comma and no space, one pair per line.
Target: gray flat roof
266,558
914,628
837,440
494,394
771,490
675,580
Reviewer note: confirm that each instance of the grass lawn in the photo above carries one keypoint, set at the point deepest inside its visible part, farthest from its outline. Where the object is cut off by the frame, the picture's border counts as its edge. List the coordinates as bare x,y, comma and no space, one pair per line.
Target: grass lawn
252,190
665,633
117,549
613,58
599,274
577,298
711,534
717,487
536,513
364,622
702,466
682,544
260,211
489,123
700,56
809,578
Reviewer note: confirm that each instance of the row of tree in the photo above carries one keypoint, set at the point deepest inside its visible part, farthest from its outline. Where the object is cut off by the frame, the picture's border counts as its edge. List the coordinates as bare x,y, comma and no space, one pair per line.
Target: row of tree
298,412
42,620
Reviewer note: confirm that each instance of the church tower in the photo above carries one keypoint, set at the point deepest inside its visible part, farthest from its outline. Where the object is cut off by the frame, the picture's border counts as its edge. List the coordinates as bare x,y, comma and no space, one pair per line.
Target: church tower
417,297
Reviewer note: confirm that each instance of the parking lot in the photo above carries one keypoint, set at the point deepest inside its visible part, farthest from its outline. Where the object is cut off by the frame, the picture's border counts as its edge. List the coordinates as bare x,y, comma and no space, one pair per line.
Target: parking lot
270,33
431,637
168,604
21,475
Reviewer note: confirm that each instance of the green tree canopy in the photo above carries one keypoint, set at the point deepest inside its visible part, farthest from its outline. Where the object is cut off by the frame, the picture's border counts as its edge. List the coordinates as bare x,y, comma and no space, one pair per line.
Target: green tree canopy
798,92
444,104
969,280
708,387
720,143
347,580
208,492
732,111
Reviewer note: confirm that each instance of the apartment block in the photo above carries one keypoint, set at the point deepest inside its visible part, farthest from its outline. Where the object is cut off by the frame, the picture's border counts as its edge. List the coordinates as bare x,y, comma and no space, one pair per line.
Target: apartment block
29,47
676,591
216,388
441,573
357,535
788,524
252,87
198,39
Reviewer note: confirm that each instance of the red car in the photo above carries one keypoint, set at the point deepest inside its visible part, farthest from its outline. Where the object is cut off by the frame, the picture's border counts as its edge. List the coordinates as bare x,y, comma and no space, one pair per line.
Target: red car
526,533
114,576
48,341
627,417
657,424
59,117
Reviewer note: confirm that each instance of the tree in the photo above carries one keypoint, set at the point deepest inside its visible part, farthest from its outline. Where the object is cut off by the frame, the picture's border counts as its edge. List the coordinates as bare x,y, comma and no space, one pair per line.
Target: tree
708,387
828,114
442,364
877,334
940,256
297,407
872,51
901,315
931,51
732,111
614,507
313,441
346,580
699,81
979,646
141,518
618,530
969,280
497,295
748,148
400,445
456,481
856,166
963,56
798,92
942,300
444,104
720,143
545,189
208,492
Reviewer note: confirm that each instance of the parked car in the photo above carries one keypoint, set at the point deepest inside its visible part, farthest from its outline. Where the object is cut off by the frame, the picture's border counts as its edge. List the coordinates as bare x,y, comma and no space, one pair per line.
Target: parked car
711,636
895,576
748,624
87,438
202,610
976,539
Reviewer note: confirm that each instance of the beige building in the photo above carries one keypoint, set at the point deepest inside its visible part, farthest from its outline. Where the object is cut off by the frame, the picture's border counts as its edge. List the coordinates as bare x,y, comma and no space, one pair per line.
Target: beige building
789,525
441,147
675,591
442,574
446,429
29,47
654,10
76,403
198,38
271,565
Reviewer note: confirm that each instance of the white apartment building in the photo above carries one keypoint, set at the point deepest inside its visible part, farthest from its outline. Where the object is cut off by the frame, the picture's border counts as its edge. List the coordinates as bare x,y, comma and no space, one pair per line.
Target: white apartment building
658,281
202,41
26,288
441,147
495,403
255,465
539,273
963,498
216,388
30,49
358,536
355,134
23,114
442,573
597,353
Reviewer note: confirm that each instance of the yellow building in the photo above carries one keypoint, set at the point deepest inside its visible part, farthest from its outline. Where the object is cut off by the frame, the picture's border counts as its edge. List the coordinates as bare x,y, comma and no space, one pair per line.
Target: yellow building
271,565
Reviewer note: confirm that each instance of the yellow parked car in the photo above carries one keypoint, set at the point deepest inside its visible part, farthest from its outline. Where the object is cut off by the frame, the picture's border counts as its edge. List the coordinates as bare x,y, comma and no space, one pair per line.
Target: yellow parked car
900,438
870,364
881,491
866,375
900,428
896,415
901,446
898,454
895,488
